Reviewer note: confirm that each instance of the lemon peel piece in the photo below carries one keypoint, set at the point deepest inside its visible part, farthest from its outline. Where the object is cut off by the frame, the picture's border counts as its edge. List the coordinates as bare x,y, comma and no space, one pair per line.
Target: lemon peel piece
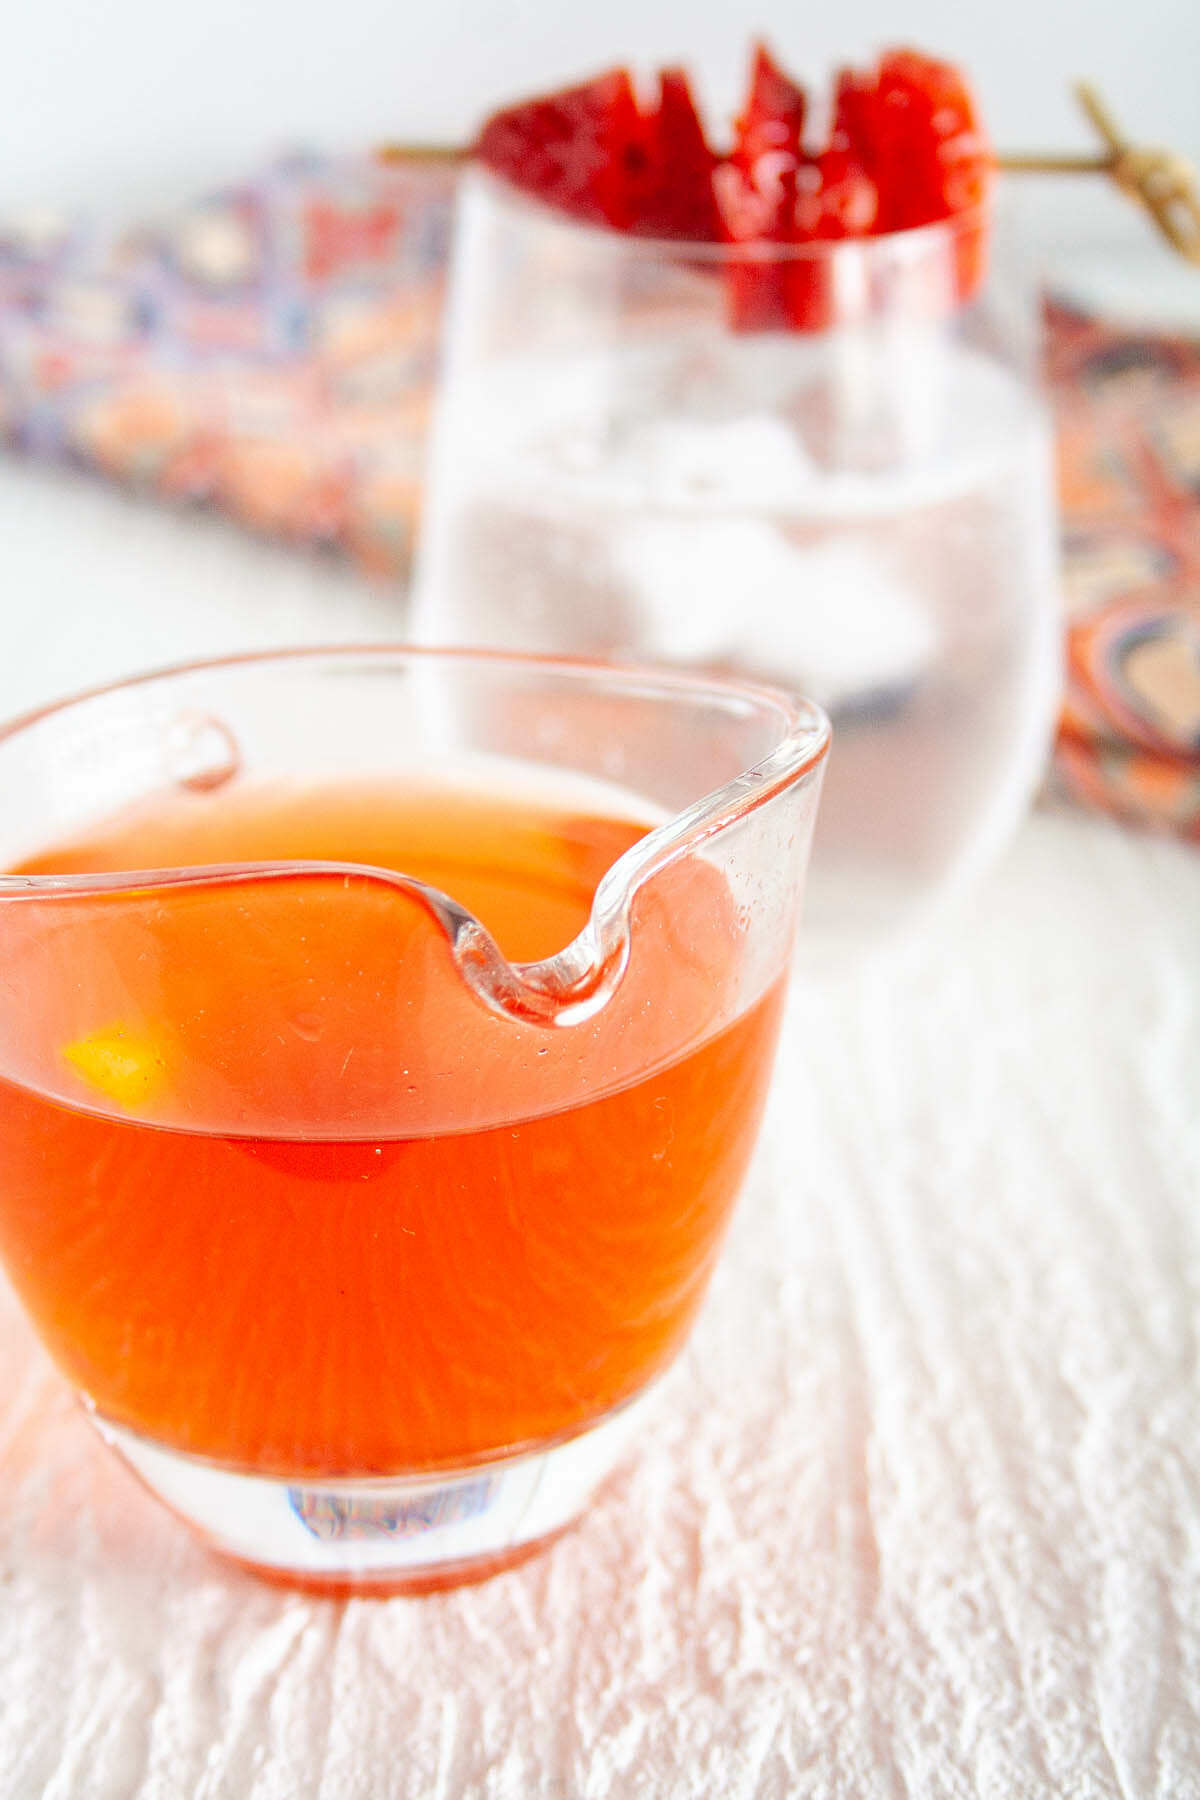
124,1065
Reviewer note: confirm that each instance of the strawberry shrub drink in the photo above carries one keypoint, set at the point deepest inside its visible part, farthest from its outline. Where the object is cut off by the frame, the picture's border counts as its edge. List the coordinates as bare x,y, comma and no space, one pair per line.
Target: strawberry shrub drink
762,408
381,1056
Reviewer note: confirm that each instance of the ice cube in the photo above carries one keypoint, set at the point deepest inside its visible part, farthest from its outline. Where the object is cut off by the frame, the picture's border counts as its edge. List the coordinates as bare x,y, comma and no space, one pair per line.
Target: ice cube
750,461
830,617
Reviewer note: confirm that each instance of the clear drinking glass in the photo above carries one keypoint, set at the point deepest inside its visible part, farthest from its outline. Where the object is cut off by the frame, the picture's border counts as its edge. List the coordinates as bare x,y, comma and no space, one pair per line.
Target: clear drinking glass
624,465
360,1224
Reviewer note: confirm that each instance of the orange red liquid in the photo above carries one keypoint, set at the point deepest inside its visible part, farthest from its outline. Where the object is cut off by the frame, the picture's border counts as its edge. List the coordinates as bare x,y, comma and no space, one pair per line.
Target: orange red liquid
280,1190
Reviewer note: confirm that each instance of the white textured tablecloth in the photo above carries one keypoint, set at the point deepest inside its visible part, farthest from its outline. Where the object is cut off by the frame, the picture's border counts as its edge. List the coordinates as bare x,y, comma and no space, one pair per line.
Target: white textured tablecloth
921,1512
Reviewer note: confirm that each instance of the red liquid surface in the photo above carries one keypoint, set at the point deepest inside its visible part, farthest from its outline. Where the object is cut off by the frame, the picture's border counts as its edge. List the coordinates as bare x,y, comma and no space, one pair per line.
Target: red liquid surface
347,1219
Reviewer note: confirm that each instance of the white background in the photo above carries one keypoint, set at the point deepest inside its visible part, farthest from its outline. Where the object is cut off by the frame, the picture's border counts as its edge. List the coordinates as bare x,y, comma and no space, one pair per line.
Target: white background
124,106
922,1513
118,103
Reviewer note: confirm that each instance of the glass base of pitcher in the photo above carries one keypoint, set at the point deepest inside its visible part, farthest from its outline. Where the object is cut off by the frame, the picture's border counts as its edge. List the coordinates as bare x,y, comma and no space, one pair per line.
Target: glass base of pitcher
403,1534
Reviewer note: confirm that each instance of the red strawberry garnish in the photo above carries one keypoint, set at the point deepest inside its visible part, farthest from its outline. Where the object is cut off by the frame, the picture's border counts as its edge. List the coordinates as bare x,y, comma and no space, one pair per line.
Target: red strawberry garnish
906,149
835,199
856,116
932,159
757,193
583,151
915,129
772,125
751,222
679,201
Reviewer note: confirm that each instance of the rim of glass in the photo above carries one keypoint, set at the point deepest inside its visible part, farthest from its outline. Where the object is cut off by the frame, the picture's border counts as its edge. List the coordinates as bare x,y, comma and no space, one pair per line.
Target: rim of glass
908,244
573,984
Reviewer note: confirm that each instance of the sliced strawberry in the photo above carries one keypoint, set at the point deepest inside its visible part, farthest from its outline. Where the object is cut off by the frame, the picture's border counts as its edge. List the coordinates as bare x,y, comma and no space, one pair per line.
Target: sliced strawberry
835,199
971,241
772,125
679,201
914,127
755,292
773,189
932,159
743,212
856,116
583,151
756,192
752,223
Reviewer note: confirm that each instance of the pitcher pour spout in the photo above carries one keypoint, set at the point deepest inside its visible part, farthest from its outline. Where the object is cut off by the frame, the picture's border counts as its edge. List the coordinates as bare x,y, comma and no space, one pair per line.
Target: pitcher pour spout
567,989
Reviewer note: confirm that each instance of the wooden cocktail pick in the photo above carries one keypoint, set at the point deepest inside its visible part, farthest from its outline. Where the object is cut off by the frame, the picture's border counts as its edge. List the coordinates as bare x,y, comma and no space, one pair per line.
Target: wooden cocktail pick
1162,182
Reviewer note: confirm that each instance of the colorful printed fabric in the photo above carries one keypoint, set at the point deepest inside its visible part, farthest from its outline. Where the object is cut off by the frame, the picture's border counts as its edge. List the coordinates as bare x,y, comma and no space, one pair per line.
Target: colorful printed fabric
272,350
1128,412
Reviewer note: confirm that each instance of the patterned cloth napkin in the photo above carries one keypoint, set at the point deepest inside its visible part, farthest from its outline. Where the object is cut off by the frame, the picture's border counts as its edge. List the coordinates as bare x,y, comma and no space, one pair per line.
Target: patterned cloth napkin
1128,410
272,350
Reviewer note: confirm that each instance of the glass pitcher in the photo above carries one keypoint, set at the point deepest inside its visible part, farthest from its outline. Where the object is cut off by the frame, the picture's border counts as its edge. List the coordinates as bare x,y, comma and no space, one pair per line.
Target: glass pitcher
385,1039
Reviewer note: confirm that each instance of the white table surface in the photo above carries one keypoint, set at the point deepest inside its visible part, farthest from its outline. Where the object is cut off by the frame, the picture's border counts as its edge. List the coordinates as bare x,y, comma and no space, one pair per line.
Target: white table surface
921,1512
